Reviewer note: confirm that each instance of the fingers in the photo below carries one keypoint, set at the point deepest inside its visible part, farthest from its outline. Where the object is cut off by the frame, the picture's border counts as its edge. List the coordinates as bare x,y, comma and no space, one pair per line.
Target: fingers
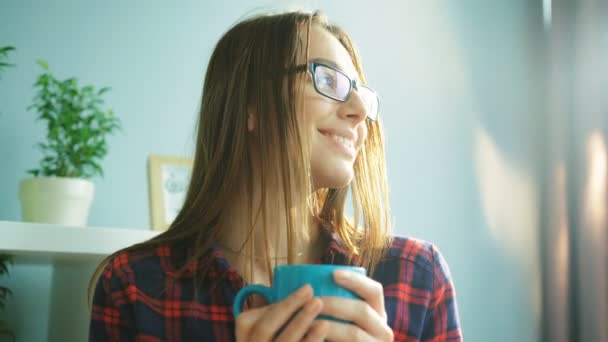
358,312
246,320
317,332
368,289
263,323
301,323
344,332
368,315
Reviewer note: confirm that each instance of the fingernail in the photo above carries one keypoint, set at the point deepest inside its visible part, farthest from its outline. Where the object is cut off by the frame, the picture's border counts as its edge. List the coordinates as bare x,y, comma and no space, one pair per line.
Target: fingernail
315,305
304,291
342,275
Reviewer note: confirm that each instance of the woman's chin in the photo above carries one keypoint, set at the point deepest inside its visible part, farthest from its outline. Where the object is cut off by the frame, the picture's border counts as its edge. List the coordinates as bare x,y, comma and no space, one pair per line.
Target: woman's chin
334,180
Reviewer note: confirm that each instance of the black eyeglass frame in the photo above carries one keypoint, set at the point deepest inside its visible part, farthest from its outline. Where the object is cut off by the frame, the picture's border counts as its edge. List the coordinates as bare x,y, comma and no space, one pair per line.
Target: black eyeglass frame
311,66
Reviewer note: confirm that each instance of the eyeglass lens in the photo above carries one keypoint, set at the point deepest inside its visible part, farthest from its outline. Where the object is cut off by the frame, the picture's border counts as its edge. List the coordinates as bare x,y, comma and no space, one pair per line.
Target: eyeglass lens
337,85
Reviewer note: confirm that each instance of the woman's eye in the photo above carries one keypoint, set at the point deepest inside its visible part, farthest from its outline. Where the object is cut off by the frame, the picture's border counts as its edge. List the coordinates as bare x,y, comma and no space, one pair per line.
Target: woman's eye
327,80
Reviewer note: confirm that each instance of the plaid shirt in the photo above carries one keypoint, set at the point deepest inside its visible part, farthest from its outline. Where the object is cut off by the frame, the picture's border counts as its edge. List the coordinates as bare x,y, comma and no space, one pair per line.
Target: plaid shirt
138,297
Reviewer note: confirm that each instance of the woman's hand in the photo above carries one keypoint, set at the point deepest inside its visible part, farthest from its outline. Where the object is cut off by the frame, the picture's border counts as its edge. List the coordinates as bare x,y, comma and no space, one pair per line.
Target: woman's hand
368,315
265,323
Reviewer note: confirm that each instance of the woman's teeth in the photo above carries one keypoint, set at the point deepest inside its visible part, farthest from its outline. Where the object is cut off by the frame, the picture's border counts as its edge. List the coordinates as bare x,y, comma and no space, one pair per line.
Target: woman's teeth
342,140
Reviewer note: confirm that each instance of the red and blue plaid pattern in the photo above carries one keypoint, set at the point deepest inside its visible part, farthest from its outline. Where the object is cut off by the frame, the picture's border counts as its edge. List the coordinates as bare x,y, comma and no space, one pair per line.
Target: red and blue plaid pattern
139,297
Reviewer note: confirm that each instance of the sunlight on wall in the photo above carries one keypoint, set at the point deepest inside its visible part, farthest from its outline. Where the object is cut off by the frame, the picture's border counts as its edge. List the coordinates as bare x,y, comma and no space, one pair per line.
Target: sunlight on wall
509,197
547,13
592,259
561,250
595,220
557,268
509,200
595,188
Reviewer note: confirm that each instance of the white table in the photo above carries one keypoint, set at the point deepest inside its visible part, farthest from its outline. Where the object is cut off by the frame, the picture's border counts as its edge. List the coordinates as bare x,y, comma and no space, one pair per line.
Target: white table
74,252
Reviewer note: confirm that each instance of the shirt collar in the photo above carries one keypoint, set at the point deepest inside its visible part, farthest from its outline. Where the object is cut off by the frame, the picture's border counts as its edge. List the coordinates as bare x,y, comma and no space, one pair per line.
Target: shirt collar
215,266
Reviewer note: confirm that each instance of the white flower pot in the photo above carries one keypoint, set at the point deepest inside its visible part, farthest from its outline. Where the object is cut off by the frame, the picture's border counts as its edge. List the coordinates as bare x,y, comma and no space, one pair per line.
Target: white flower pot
56,200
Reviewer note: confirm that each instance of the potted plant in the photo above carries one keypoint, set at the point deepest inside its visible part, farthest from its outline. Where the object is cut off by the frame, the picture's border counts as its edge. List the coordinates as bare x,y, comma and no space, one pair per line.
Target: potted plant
5,259
76,143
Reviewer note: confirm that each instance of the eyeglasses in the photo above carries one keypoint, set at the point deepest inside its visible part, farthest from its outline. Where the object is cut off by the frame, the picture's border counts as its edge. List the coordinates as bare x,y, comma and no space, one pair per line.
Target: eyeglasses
336,85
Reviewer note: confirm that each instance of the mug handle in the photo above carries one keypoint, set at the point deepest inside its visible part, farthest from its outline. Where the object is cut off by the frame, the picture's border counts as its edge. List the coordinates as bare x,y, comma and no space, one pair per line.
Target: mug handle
245,292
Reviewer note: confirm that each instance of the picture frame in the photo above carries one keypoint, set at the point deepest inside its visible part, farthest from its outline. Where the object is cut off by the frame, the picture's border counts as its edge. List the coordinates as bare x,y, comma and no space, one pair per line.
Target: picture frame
168,179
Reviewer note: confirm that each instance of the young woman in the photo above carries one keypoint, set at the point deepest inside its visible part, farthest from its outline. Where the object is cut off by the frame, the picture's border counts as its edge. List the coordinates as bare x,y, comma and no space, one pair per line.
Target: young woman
287,127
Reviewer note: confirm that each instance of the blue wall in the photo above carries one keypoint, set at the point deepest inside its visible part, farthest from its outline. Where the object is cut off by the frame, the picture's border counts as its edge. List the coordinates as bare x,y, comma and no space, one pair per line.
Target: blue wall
461,101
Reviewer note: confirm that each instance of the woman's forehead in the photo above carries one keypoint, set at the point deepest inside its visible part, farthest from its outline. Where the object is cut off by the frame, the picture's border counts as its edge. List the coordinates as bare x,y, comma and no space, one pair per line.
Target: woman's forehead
324,46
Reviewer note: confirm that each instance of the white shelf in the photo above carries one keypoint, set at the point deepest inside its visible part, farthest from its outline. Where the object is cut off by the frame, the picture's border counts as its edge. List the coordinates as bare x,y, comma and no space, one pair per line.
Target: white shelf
49,243
73,253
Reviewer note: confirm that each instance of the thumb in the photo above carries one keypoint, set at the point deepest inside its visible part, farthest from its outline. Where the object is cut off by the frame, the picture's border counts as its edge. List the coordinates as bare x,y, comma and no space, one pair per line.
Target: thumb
247,320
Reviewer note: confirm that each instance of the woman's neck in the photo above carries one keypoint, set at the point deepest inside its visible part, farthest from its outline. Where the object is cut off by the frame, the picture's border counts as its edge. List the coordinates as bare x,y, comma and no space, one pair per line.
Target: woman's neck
239,237
258,270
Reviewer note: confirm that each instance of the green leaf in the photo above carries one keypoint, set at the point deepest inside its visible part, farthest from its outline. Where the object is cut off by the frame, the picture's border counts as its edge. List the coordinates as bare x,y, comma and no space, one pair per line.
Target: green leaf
4,50
97,168
88,89
5,292
5,261
103,91
43,64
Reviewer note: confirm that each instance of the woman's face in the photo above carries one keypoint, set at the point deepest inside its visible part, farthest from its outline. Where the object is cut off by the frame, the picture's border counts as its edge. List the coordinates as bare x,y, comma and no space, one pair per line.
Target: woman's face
338,128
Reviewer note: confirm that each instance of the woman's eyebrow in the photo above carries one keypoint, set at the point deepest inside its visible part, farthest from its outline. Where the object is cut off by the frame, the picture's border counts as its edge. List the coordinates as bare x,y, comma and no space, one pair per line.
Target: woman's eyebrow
335,65
328,62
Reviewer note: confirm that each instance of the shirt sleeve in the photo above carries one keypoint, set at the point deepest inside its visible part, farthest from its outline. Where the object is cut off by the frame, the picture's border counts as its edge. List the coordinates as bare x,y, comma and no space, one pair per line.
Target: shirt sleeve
112,317
442,322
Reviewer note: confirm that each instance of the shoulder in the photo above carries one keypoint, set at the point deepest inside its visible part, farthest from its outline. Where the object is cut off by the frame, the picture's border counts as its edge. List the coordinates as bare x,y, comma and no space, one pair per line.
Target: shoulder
128,261
143,269
414,275
414,261
423,254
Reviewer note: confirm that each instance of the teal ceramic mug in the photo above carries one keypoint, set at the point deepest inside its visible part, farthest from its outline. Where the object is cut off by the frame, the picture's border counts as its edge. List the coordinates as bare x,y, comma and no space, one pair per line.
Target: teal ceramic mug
289,278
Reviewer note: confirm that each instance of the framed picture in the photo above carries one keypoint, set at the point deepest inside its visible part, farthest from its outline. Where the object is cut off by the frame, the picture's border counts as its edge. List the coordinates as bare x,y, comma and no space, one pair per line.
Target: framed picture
168,183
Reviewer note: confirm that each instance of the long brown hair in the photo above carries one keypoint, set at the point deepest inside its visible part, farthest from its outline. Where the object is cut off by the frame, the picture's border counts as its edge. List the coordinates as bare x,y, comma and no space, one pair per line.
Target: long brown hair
248,73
